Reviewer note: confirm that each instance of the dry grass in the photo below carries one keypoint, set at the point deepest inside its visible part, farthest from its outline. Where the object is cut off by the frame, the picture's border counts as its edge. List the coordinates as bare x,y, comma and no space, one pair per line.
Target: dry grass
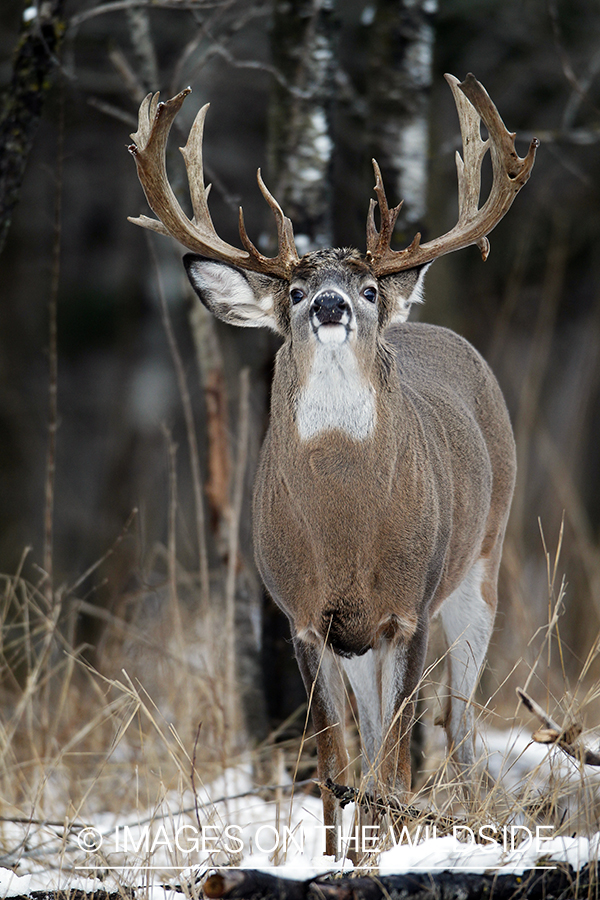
120,742
530,784
134,732
78,741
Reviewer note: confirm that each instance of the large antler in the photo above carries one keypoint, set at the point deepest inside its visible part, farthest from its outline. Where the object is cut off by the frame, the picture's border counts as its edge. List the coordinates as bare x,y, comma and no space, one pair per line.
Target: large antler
198,234
510,173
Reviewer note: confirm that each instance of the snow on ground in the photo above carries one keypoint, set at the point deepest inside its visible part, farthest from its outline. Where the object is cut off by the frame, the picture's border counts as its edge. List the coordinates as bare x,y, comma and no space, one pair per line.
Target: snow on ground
230,824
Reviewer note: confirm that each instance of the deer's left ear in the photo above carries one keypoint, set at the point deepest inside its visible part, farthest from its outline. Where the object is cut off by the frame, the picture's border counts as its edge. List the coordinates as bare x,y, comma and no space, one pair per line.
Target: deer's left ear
398,293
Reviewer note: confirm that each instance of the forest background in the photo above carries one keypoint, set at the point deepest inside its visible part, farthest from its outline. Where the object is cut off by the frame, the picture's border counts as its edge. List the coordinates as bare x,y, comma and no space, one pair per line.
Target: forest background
130,421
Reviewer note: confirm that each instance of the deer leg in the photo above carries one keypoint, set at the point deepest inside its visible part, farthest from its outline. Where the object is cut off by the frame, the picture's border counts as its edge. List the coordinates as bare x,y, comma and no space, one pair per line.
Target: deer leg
401,667
467,619
325,690
364,678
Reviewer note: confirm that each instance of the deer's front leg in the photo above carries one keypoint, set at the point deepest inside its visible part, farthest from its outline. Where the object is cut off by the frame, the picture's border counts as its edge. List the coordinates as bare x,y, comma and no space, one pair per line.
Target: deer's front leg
325,690
401,665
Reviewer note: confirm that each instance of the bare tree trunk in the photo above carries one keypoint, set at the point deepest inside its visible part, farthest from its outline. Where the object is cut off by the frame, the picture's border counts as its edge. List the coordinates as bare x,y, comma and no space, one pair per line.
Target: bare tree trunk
35,61
301,112
233,615
399,77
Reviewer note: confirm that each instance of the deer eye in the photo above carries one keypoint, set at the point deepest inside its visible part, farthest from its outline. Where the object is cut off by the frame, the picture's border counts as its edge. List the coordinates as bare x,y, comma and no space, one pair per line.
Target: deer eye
370,294
296,295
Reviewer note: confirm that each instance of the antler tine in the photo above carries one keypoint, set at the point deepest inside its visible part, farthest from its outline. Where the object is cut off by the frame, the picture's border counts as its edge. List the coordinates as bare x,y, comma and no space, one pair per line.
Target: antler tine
379,241
513,172
468,166
288,255
194,166
510,173
148,150
197,234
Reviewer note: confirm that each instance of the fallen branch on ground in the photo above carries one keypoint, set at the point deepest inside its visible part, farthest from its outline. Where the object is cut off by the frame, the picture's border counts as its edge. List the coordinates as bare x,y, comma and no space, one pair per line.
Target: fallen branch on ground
567,738
544,883
124,893
534,884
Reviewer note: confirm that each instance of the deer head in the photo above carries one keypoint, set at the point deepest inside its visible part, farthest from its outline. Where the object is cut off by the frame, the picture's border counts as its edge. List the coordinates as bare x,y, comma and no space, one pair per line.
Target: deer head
264,301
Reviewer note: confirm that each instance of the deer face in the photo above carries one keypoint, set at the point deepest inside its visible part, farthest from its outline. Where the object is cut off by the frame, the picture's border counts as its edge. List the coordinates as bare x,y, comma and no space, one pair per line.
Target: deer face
333,301
332,311
332,297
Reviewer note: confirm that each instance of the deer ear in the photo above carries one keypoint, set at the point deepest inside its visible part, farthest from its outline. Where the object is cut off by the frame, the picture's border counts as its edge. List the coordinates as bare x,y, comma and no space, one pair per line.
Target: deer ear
238,297
400,291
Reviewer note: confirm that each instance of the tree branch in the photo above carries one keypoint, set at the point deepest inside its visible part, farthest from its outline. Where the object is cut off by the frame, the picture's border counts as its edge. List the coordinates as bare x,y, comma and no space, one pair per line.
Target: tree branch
555,881
567,738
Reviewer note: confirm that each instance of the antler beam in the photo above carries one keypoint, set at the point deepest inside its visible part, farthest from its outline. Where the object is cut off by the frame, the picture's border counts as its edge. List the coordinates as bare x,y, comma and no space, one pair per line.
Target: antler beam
510,173
197,234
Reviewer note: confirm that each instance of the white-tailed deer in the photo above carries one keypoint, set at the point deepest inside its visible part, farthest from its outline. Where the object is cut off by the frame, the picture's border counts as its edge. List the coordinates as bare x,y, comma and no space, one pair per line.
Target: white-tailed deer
386,475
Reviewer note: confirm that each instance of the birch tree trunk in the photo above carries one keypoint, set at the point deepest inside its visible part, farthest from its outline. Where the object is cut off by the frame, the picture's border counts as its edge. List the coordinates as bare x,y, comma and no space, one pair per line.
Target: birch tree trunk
398,82
303,50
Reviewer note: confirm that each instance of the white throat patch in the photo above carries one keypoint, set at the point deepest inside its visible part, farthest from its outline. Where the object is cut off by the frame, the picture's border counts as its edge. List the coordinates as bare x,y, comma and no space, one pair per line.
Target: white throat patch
336,395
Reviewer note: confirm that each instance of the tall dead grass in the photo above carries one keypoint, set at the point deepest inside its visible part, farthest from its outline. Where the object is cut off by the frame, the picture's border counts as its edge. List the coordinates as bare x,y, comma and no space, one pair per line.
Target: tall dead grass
133,736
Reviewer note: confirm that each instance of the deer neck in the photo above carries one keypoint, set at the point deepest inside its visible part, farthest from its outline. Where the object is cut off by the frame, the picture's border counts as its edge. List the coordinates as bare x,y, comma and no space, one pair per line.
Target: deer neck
336,395
334,389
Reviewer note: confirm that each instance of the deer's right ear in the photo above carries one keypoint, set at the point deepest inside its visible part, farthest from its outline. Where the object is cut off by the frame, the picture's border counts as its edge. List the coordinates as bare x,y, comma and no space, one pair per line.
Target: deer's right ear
237,297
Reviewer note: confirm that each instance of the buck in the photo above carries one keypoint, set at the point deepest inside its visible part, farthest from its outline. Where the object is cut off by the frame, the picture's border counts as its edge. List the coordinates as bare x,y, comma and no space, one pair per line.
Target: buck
387,471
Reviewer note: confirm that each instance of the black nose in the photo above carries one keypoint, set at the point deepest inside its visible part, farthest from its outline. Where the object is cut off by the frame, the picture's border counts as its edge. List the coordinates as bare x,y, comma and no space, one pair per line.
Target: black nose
329,307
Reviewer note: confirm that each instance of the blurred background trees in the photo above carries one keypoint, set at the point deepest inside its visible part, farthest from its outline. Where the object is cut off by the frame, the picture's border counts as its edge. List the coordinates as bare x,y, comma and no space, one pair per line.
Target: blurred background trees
309,90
